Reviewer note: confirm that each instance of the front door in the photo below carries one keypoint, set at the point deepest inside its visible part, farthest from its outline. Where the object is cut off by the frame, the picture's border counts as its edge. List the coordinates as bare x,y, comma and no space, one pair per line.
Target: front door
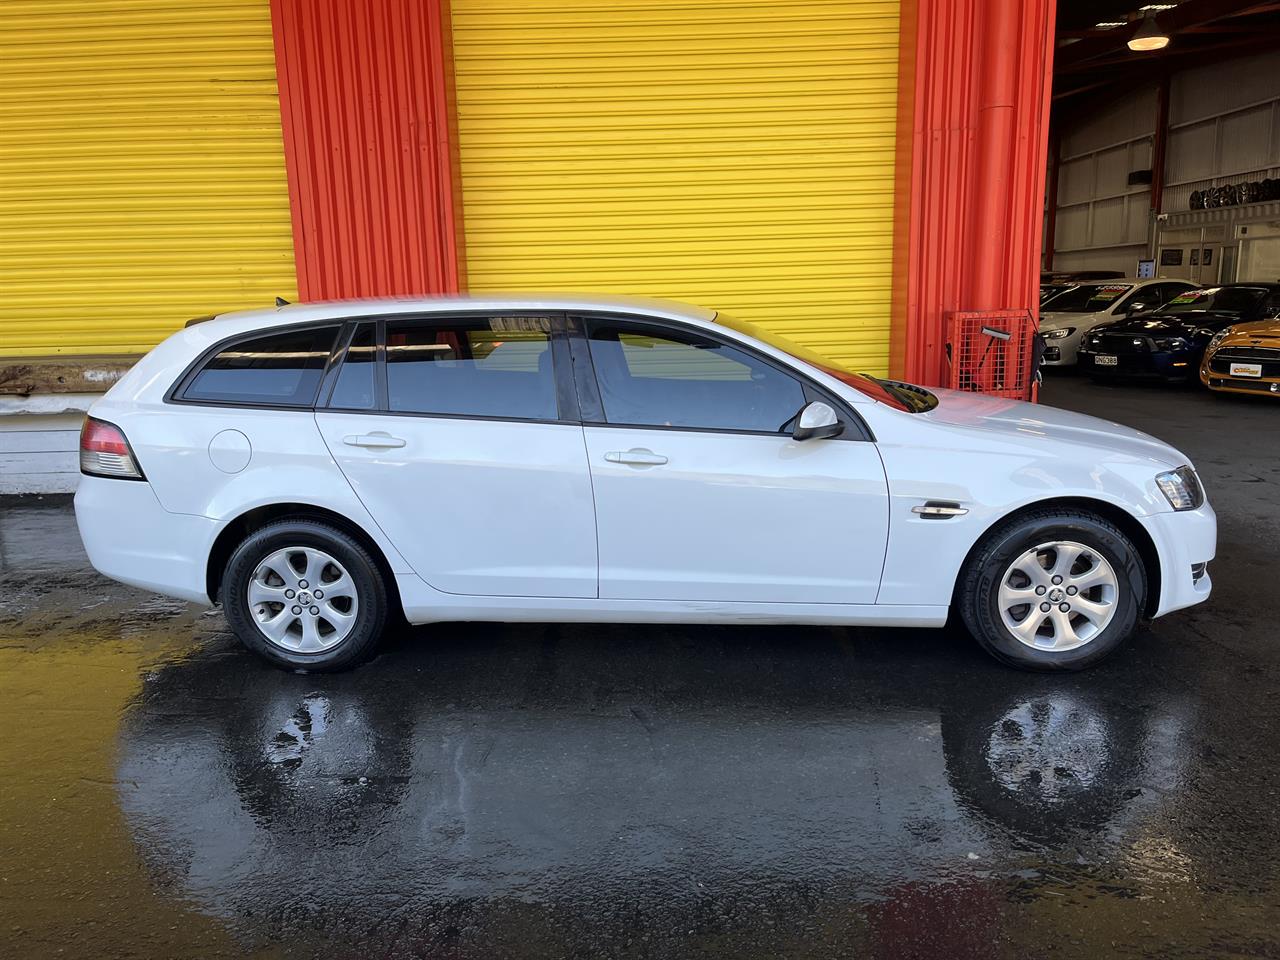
458,446
701,494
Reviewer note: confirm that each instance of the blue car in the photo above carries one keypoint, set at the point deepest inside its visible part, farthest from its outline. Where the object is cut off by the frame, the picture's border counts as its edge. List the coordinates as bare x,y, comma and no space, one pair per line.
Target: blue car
1167,344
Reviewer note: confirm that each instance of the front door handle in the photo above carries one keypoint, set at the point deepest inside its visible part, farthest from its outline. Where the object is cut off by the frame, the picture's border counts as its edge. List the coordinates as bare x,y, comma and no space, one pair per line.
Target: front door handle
637,457
378,441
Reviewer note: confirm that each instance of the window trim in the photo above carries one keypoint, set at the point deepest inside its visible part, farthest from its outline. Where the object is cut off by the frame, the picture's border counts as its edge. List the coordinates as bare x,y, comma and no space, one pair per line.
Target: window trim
176,393
591,403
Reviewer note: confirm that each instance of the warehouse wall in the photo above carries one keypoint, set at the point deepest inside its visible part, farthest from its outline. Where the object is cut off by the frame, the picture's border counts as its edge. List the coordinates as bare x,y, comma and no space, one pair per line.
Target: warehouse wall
1224,128
142,177
1103,223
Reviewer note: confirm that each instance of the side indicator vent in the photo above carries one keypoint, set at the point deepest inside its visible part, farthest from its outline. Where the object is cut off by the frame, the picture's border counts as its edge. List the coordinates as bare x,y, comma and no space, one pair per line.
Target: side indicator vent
939,510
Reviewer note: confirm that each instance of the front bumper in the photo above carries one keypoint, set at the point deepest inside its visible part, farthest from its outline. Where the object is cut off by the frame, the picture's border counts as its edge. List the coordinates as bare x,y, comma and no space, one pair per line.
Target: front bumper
1061,353
1183,540
131,538
1155,365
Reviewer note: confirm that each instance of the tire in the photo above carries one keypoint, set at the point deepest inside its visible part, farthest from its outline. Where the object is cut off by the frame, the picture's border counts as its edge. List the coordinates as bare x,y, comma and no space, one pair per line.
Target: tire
995,595
346,625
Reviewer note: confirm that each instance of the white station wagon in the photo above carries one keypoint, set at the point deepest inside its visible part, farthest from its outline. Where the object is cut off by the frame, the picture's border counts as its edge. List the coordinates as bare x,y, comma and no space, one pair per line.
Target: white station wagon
321,469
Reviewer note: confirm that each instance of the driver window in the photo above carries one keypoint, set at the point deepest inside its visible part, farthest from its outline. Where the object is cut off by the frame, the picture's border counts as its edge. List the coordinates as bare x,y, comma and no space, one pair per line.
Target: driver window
653,376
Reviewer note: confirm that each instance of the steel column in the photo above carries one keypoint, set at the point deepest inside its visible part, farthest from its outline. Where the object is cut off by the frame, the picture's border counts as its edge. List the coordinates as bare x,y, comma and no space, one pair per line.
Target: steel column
366,101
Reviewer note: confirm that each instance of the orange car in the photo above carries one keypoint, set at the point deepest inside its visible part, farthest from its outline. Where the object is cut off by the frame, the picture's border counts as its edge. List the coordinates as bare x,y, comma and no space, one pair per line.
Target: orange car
1244,358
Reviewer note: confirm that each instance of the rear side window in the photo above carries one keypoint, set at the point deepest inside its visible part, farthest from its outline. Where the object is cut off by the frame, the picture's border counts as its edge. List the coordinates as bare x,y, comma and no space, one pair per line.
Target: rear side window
279,369
475,367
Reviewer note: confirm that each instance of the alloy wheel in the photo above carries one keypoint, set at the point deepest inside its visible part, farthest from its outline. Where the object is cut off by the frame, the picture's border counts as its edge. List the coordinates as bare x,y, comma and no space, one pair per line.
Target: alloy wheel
303,600
1058,596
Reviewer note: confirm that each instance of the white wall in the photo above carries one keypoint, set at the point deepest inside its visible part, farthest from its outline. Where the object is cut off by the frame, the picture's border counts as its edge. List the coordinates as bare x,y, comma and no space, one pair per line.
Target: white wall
1102,221
40,443
1224,127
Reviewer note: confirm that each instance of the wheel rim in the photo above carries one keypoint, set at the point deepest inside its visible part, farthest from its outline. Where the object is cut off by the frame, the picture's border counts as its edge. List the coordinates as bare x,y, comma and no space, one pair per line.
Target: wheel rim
1058,596
303,600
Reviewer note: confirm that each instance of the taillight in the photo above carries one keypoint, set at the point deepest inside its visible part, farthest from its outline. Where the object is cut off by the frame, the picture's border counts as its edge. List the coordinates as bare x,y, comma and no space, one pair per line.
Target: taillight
104,451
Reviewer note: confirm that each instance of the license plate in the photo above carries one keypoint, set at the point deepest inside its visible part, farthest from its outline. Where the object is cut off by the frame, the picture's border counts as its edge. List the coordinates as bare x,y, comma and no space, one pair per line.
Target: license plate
1104,360
1246,369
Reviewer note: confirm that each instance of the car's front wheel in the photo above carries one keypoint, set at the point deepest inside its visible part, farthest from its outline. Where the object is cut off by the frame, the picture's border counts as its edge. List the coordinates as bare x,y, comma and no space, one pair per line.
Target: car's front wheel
305,595
1053,590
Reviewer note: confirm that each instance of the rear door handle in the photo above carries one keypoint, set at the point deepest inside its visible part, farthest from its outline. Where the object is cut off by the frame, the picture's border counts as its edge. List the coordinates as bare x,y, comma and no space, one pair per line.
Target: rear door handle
377,441
638,457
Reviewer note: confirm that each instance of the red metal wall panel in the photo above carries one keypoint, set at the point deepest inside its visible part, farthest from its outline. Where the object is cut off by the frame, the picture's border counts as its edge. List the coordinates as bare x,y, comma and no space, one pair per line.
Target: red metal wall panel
976,77
366,100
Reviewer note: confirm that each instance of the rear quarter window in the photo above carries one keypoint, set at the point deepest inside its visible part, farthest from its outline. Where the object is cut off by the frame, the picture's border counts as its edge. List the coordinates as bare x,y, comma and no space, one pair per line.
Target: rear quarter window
278,369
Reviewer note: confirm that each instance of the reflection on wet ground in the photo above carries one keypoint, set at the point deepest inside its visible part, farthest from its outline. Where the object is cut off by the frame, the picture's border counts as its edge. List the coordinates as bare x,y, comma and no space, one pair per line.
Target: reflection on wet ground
489,790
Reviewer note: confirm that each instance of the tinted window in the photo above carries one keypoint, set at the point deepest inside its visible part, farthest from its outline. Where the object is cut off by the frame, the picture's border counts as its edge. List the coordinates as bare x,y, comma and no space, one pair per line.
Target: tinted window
489,367
355,388
1237,300
654,377
281,369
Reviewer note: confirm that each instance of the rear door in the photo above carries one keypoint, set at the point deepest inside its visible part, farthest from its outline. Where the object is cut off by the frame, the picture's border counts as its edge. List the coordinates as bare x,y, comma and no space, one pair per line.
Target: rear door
465,448
701,494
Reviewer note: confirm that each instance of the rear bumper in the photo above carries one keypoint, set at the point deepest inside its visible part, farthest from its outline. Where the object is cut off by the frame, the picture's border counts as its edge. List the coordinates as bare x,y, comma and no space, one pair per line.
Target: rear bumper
1183,540
131,538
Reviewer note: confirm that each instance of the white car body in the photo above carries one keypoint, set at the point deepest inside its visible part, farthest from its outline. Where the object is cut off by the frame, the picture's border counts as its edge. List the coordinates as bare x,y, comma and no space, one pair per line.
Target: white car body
1130,295
492,519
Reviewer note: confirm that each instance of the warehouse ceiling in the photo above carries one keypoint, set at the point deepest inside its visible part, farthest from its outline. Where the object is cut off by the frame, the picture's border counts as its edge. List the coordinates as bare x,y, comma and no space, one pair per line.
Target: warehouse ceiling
1093,60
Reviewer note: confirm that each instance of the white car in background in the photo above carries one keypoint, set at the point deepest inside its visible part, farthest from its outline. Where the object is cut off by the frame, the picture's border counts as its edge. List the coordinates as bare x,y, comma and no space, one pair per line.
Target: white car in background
1066,317
320,469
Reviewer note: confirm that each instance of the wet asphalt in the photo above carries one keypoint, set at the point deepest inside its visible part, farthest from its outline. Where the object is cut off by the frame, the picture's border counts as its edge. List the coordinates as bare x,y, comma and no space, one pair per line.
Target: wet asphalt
579,791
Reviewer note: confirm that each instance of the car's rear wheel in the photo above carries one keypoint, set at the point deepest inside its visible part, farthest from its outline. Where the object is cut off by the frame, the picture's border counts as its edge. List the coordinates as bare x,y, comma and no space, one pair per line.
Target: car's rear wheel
305,595
1053,590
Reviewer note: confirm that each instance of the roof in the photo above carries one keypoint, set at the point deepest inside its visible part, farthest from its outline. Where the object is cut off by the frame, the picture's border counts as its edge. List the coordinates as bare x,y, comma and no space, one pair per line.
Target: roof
499,302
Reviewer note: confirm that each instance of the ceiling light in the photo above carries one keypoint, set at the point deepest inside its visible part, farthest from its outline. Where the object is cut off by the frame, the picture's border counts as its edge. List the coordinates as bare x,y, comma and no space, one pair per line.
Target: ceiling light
1110,24
1149,36
1156,6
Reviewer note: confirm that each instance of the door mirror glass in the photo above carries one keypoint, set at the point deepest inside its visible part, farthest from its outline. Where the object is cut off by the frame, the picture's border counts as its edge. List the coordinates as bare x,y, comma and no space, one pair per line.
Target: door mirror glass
817,420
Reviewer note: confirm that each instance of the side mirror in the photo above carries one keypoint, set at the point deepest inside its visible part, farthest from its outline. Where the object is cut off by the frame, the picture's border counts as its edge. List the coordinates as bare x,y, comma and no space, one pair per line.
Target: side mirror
1136,307
816,421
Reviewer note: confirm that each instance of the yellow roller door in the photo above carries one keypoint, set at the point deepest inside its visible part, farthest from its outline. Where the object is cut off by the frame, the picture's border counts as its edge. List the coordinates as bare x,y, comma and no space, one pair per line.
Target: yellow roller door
733,153
142,176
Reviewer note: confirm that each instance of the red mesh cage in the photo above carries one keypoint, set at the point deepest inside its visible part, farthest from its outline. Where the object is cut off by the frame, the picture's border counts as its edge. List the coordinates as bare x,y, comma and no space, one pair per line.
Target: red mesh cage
992,352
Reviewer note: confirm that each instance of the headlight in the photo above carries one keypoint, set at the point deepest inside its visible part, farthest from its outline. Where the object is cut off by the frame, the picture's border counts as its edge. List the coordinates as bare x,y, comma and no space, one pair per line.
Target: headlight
1181,488
1060,334
1171,343
1216,339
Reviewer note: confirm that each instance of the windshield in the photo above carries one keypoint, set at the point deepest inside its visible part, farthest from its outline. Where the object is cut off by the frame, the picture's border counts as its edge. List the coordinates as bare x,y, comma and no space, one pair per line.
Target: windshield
901,396
1086,298
1238,300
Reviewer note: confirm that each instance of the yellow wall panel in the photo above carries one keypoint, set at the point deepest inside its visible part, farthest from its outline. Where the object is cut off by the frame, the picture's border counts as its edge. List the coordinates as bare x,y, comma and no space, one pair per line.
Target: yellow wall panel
142,177
733,153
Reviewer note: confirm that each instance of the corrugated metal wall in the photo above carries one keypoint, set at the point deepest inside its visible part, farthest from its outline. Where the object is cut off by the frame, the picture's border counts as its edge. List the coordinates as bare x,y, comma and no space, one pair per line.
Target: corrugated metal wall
1224,127
142,176
738,155
365,99
1103,221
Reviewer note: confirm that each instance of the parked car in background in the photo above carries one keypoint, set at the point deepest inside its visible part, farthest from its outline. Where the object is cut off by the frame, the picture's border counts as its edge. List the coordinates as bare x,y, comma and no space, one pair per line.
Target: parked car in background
1067,317
1244,358
1170,343
1078,276
321,468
